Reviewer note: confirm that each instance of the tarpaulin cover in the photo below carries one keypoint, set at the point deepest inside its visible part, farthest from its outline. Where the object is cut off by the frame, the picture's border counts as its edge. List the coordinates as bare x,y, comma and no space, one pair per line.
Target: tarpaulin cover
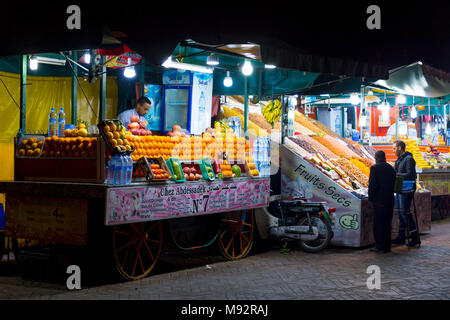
273,82
418,79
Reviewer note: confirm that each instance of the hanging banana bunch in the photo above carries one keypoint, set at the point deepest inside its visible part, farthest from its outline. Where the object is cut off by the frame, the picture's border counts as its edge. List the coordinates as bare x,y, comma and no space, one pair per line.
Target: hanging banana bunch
272,111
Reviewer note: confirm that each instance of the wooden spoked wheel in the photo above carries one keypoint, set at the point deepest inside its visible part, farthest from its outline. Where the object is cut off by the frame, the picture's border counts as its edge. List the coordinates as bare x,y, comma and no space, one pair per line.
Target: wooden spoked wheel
235,237
136,248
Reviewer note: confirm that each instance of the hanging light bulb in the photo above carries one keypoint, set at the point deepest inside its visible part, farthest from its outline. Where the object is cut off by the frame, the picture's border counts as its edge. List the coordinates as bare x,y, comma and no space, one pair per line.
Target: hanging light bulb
401,99
129,71
247,68
413,112
354,99
212,60
33,63
370,93
428,129
87,58
228,81
269,66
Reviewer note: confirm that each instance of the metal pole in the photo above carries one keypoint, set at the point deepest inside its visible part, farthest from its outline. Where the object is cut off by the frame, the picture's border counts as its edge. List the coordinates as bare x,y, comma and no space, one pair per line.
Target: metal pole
74,89
246,106
343,122
141,79
23,92
360,112
103,90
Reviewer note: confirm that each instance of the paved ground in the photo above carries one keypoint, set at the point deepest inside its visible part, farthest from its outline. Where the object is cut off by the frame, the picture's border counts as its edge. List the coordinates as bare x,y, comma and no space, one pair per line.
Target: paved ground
334,274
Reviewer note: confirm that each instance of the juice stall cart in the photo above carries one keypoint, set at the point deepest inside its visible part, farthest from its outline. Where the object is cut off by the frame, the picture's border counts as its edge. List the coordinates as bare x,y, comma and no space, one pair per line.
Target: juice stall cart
65,200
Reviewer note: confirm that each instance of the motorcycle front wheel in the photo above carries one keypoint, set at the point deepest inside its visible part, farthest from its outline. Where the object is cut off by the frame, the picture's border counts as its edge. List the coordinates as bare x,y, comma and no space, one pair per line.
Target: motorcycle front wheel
324,237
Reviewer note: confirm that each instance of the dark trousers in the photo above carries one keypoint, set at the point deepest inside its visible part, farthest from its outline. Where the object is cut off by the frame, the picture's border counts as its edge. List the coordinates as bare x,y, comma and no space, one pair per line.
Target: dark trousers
382,225
405,216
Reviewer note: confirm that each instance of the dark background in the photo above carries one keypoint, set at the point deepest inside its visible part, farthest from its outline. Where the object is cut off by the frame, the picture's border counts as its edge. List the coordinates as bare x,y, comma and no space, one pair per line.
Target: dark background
410,30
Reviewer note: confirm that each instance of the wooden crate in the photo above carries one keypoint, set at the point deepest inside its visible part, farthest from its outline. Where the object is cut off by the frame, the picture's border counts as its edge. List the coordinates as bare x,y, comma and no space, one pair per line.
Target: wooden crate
62,169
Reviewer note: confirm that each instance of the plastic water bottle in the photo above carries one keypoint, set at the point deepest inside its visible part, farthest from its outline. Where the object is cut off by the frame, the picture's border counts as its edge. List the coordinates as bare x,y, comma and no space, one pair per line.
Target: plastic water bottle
256,150
61,122
129,169
123,170
117,169
2,217
52,125
111,170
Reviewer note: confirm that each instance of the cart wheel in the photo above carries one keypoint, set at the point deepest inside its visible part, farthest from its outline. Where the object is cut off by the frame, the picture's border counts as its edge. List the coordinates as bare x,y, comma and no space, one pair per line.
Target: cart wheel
136,248
236,234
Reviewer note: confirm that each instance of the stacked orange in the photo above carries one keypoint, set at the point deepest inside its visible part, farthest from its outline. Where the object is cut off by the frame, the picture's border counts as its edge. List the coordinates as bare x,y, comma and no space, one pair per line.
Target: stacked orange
187,148
65,147
30,147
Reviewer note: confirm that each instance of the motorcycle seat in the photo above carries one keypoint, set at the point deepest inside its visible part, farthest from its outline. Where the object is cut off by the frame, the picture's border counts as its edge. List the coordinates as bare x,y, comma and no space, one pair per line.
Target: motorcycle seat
291,203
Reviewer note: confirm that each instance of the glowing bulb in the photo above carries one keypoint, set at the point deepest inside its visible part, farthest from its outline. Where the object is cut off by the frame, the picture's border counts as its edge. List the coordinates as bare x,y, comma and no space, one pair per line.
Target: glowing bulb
401,99
87,58
129,72
354,99
413,112
247,68
270,66
228,81
428,129
212,60
33,64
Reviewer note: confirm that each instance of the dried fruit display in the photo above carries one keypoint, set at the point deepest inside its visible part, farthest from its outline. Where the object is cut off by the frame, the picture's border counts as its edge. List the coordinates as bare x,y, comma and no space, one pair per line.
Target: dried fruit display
333,147
366,162
361,166
342,146
303,144
352,171
294,146
325,128
328,153
370,150
302,129
304,121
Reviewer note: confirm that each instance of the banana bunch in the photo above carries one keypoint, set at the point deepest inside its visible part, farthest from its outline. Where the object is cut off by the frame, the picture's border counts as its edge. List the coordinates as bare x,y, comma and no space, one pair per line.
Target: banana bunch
272,111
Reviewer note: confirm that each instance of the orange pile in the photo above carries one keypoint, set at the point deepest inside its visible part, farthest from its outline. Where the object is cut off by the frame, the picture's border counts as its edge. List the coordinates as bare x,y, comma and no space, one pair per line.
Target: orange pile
30,147
187,148
83,147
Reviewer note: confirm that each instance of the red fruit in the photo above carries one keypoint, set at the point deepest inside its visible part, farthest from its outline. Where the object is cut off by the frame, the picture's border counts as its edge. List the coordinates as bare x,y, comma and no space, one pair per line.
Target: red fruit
134,118
143,124
191,177
176,128
149,133
134,125
142,132
170,134
129,126
135,132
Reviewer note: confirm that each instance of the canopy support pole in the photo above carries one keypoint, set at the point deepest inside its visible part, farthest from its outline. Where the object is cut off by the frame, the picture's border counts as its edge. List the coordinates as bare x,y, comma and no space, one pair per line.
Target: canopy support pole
343,122
23,92
141,79
246,107
103,90
74,89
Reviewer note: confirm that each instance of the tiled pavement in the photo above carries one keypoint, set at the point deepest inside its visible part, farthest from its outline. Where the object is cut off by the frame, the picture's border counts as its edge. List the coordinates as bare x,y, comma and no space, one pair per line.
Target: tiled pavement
334,274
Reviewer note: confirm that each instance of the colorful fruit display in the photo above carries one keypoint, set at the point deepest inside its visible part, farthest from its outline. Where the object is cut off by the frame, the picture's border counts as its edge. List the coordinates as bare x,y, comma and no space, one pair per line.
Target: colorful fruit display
116,135
188,148
138,128
31,147
412,146
70,147
272,111
79,131
191,173
226,170
158,173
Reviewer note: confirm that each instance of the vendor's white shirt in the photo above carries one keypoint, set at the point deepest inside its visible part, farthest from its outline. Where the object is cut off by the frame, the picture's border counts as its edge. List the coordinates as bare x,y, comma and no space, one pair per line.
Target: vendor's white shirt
126,115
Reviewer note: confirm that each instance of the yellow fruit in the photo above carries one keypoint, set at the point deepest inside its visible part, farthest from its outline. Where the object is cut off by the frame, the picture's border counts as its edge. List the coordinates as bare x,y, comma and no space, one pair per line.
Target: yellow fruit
74,133
68,133
22,152
109,135
81,126
113,143
119,142
82,132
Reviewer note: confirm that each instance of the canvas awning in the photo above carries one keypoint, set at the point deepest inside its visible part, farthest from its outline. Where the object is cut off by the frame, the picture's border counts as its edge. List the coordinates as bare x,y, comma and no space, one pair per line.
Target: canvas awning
418,80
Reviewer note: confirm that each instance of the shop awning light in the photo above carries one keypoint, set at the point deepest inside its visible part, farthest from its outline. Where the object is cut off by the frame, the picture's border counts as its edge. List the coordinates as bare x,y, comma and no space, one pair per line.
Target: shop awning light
428,129
354,99
129,72
270,66
212,60
33,63
185,66
413,112
56,62
370,93
401,99
247,68
228,81
87,58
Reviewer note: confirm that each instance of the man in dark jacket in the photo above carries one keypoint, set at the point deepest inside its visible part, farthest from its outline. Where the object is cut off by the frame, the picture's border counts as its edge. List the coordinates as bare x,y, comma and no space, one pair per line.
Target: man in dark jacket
381,195
406,166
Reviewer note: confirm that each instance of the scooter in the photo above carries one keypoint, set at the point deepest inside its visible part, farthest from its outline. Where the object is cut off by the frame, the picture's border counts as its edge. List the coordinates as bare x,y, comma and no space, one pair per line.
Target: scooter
307,223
